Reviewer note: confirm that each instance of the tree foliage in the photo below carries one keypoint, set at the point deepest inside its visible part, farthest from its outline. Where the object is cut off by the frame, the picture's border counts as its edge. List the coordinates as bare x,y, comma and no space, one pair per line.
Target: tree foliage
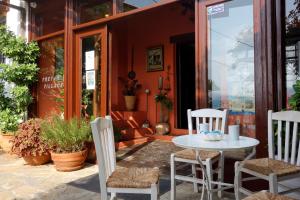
20,71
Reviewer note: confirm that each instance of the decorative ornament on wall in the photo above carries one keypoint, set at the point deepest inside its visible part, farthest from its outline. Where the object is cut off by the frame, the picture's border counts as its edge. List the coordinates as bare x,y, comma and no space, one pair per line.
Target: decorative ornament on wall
155,59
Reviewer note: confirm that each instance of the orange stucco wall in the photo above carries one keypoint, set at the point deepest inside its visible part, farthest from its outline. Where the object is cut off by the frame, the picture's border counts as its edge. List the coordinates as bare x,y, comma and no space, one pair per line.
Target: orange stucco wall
142,31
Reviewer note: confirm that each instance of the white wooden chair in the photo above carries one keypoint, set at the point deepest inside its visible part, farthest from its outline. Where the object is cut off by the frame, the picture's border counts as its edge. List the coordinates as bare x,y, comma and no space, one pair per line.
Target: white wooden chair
217,120
119,180
283,162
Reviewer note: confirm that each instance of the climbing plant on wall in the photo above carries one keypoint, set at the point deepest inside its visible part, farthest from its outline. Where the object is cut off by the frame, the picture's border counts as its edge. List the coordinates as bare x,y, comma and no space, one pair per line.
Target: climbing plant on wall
20,72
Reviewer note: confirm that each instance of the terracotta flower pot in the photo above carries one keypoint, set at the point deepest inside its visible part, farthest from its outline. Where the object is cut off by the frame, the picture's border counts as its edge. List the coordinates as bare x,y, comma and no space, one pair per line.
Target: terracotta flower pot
37,160
5,142
130,102
67,162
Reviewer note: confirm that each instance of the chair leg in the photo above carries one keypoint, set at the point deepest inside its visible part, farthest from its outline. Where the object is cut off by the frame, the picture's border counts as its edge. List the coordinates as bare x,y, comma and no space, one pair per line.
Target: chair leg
209,170
273,183
113,196
154,192
221,173
237,181
173,181
195,176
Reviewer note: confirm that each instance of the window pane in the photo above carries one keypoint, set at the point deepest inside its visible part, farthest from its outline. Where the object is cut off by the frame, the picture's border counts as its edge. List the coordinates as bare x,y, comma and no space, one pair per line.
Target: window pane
231,61
49,16
90,101
127,5
89,10
292,45
51,77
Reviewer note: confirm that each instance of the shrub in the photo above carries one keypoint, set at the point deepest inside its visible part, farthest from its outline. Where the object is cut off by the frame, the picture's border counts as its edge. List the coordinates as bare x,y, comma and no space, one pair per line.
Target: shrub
66,136
8,121
294,101
28,141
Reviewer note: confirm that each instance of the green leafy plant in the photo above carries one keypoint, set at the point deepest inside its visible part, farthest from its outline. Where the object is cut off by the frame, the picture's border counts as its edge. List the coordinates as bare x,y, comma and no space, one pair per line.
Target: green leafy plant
21,72
22,97
9,121
66,136
28,141
130,86
294,100
164,100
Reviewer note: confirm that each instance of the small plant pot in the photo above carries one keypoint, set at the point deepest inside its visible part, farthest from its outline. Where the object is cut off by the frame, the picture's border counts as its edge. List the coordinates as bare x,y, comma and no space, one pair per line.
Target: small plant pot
37,160
5,143
67,162
130,102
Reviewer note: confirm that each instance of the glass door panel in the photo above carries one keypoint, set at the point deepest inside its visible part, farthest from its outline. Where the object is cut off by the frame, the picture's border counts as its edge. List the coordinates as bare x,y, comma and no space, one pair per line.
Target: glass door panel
91,81
230,57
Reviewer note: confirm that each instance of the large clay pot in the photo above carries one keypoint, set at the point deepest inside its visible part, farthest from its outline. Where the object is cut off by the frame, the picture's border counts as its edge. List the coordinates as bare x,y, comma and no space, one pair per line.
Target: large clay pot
5,142
130,102
67,162
37,160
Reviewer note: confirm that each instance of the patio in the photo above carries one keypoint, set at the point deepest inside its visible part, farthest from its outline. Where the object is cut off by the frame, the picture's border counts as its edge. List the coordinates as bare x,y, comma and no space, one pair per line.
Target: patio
44,182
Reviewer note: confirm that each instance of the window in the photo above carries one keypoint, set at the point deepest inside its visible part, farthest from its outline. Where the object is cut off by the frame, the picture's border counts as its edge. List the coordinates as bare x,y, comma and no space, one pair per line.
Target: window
89,10
231,61
292,48
49,16
127,5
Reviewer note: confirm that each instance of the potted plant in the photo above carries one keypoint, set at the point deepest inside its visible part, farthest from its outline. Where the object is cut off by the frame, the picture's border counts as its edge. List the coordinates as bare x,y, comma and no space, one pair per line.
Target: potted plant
131,86
67,139
8,126
29,144
166,105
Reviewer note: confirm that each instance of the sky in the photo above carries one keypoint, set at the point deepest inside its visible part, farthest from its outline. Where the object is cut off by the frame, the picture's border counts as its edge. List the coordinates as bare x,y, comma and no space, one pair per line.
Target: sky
141,3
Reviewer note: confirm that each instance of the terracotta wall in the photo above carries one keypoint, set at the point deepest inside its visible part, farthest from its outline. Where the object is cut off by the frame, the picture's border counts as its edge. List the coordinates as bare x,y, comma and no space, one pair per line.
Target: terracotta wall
142,31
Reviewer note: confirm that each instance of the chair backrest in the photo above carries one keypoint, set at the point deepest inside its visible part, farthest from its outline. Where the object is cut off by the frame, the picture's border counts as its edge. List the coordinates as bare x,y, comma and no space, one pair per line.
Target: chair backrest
103,135
287,136
216,119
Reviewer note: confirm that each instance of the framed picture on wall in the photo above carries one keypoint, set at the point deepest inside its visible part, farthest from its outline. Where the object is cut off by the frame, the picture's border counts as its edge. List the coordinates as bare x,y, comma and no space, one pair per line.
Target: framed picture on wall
155,59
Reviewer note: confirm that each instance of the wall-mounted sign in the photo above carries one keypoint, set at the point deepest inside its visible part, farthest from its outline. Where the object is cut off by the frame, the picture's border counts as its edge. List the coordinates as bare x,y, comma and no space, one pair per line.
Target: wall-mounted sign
216,9
89,60
90,80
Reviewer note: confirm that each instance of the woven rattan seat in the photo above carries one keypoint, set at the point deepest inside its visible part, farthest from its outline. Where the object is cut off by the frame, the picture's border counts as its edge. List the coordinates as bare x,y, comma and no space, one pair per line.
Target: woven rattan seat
267,166
263,195
133,178
191,154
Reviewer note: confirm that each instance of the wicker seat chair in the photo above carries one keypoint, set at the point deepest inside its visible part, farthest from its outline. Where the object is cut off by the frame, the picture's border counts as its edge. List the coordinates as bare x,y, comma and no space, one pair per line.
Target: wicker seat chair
217,120
264,195
283,162
119,180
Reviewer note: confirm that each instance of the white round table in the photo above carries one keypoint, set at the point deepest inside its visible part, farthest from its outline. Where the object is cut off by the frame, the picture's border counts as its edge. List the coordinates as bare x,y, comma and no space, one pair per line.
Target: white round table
196,142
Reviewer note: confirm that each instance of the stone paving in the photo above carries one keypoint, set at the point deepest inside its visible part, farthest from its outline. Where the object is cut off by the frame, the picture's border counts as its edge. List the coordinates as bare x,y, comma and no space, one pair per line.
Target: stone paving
23,182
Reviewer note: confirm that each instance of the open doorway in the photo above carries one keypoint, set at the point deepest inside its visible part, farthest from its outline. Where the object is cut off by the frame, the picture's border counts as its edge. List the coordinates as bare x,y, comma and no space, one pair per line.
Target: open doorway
185,76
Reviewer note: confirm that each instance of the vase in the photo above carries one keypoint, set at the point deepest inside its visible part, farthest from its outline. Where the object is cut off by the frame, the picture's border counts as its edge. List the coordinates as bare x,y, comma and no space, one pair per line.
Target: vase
130,102
162,128
67,162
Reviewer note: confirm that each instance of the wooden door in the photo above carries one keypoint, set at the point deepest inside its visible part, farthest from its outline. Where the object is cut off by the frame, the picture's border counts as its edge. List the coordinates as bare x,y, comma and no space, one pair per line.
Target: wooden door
91,72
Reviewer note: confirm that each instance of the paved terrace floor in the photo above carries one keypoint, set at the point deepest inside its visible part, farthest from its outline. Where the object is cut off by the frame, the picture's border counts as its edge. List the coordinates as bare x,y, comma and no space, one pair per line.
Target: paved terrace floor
20,181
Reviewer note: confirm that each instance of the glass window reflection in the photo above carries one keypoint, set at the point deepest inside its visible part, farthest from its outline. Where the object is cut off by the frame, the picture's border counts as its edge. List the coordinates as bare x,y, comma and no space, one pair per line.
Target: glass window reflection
231,61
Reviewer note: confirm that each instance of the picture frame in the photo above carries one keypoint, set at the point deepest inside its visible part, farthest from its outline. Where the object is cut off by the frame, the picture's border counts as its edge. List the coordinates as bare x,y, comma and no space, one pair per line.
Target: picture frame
90,80
155,59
